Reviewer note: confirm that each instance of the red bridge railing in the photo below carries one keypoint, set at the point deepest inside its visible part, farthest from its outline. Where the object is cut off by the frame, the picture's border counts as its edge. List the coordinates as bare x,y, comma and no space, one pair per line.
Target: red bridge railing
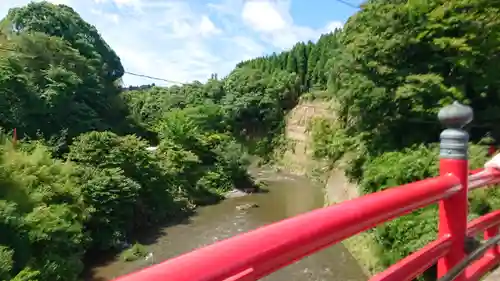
257,253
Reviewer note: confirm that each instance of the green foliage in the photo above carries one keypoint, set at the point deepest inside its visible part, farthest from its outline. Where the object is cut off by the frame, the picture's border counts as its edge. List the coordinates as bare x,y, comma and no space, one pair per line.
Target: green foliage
400,167
309,61
61,76
148,185
329,140
316,95
400,62
248,104
215,162
27,274
109,187
405,235
59,87
256,104
42,215
396,64
110,197
388,71
133,253
62,21
6,262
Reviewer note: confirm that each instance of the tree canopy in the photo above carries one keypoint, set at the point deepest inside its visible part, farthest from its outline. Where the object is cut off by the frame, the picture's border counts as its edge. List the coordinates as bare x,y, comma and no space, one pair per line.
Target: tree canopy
82,179
401,61
397,64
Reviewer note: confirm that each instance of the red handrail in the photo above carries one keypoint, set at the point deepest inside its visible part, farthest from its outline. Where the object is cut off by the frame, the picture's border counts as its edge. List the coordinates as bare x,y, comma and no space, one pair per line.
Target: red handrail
255,254
252,255
416,263
239,258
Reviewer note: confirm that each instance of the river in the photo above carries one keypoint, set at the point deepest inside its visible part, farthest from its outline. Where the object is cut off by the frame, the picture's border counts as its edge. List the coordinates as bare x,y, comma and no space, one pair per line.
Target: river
288,196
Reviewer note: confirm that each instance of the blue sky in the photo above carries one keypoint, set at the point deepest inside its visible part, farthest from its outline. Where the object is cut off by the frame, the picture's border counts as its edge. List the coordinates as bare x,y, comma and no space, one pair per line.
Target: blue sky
185,40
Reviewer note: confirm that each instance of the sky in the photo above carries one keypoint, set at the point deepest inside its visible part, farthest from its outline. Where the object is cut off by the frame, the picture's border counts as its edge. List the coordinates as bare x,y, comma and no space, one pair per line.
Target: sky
186,40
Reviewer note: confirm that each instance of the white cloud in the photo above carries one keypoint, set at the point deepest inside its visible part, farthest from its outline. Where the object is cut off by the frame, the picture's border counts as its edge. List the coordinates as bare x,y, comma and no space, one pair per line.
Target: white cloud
273,20
263,16
331,26
115,18
184,40
207,27
248,47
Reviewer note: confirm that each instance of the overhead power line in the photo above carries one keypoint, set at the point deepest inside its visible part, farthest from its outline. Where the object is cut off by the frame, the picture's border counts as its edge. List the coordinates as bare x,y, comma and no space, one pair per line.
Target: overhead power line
129,73
348,4
484,123
155,78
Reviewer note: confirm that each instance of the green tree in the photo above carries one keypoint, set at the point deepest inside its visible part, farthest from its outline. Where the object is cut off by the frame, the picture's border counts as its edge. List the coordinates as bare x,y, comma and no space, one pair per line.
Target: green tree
42,215
402,61
155,200
63,22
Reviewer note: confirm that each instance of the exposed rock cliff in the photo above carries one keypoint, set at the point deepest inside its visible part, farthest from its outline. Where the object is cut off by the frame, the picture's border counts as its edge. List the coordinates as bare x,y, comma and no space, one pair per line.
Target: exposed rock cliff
297,159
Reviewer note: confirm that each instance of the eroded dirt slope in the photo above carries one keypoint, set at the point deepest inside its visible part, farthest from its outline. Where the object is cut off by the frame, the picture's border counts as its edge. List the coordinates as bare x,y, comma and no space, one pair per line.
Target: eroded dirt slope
297,158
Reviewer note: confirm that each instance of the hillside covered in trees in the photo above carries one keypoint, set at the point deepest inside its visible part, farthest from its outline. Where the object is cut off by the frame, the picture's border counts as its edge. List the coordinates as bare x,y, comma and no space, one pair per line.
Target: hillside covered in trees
389,71
81,179
397,64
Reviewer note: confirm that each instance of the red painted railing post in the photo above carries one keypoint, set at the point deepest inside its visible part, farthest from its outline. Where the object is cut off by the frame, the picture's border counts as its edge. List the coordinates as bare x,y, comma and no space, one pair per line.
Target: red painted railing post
453,160
488,234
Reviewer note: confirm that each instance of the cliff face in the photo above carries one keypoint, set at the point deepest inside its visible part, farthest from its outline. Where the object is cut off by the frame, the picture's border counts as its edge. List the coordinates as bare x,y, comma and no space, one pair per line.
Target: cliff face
297,159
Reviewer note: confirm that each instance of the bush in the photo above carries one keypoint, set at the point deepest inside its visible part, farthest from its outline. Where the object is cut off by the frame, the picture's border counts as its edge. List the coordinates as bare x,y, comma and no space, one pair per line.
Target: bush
405,235
6,262
110,197
52,211
207,163
42,216
155,199
133,253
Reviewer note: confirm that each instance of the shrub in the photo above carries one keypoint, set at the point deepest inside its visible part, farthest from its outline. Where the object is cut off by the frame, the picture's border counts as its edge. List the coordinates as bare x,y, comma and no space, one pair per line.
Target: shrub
405,235
133,253
155,199
42,216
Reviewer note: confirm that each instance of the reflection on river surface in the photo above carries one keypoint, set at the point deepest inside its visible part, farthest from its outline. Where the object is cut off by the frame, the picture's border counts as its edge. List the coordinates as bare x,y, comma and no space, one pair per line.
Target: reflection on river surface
287,196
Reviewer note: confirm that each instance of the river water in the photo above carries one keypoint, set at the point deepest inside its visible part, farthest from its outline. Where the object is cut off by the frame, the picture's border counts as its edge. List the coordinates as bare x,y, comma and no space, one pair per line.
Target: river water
288,196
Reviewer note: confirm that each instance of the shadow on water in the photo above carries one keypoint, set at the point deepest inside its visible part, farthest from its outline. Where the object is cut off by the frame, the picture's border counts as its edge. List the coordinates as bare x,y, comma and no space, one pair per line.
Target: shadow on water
99,259
261,190
150,237
283,196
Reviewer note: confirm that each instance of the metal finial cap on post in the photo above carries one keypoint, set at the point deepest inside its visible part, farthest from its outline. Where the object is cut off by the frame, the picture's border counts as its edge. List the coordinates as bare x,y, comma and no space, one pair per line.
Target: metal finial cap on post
454,140
455,115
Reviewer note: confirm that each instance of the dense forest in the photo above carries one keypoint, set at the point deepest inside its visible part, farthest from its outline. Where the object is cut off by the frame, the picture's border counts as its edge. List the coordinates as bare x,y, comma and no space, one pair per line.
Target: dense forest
394,65
81,179
397,63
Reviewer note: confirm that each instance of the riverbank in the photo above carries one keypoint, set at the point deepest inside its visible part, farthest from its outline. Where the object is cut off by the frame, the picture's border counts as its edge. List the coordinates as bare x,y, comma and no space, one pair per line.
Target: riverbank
96,258
296,184
288,195
362,246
